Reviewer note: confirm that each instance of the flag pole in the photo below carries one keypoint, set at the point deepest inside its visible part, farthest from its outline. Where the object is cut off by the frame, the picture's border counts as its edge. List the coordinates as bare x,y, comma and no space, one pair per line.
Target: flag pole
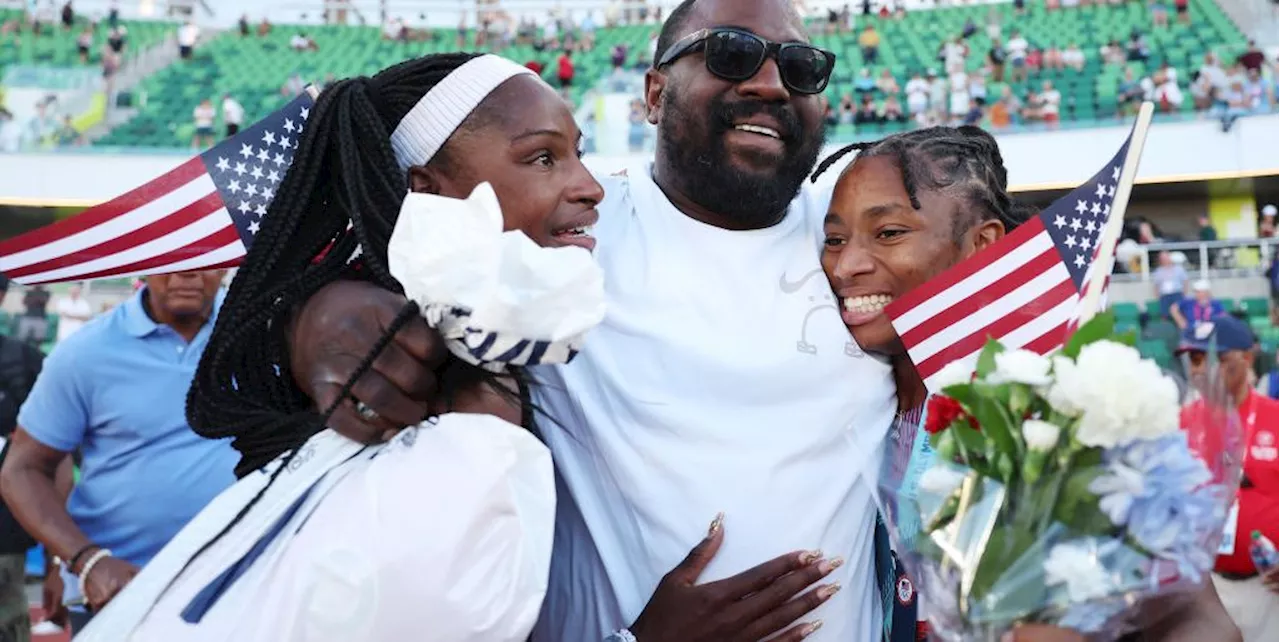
1115,222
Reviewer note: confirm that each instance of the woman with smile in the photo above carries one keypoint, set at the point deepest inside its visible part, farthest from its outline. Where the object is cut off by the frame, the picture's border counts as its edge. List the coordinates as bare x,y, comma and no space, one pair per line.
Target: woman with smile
907,209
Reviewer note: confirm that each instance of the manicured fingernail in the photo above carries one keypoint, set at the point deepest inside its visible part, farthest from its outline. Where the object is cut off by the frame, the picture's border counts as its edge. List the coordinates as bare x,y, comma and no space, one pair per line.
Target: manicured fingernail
809,557
827,591
830,565
715,525
808,630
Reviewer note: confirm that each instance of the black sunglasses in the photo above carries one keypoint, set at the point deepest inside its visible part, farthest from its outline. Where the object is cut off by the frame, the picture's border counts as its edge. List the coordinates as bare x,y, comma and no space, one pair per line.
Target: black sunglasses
736,55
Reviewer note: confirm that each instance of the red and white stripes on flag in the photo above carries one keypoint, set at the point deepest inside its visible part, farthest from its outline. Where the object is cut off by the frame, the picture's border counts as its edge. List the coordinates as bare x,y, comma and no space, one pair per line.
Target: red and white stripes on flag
201,215
173,224
1026,290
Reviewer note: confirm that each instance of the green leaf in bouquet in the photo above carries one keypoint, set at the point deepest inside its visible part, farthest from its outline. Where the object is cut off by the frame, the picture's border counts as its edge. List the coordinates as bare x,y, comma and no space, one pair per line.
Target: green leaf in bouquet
1077,506
1128,337
1020,399
1005,546
987,359
1096,329
972,445
944,445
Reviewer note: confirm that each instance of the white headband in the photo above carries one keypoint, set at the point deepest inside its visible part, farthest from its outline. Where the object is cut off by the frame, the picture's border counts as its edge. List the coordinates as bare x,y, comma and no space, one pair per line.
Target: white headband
431,122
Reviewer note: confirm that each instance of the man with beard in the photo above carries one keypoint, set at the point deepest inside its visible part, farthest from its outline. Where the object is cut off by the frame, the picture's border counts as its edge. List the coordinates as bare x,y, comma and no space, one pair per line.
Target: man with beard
722,381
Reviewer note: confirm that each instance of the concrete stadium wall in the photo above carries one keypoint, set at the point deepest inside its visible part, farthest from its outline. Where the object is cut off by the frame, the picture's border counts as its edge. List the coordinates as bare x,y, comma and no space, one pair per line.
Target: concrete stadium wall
1035,160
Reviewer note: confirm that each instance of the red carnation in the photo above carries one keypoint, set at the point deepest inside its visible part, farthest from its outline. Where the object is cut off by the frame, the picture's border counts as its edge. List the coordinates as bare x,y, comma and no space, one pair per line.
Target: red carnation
942,411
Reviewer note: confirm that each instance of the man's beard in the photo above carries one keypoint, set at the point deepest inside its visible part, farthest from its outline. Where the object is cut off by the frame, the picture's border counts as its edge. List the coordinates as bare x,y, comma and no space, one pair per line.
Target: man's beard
700,167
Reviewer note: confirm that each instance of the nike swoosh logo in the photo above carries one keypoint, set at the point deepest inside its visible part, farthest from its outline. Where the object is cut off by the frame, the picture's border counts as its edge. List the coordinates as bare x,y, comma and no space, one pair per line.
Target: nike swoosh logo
791,287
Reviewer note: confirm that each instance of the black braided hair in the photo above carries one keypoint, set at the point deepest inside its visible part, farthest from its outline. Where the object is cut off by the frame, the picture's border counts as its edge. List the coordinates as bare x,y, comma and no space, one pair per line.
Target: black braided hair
341,194
962,159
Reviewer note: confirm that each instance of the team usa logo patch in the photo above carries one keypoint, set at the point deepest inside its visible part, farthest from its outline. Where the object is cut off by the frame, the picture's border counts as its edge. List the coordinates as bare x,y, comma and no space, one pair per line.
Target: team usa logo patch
906,592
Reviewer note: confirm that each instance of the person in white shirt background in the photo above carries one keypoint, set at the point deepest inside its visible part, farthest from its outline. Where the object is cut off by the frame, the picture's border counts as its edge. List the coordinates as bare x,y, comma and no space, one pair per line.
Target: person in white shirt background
73,311
232,114
665,420
203,116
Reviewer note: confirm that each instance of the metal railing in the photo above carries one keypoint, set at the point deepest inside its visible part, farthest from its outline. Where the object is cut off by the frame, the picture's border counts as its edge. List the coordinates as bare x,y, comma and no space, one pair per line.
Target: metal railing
1209,259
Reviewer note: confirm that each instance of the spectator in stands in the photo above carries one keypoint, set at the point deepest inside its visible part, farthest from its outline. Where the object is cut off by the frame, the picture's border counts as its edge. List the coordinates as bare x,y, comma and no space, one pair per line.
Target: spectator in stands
245,29
188,33
1137,50
891,110
264,27
1206,232
19,366
867,114
954,54
978,86
113,13
117,391
1073,58
1257,94
959,100
232,114
1130,93
847,110
203,115
1250,599
1217,78
1004,112
995,59
294,86
1159,14
1182,9
565,70
302,42
33,322
1253,58
66,135
1051,103
68,16
1052,58
1168,94
83,42
1112,53
1198,308
116,39
974,116
887,84
1237,104
917,95
1018,48
869,42
1169,281
73,312
938,91
1202,92
1267,224
864,84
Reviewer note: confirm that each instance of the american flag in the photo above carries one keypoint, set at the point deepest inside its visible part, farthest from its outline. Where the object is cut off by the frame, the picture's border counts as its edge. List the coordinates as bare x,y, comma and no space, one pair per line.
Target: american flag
1025,291
201,215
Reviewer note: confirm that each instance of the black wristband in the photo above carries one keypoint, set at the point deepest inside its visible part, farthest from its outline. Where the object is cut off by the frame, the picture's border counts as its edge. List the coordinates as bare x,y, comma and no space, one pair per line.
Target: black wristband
71,563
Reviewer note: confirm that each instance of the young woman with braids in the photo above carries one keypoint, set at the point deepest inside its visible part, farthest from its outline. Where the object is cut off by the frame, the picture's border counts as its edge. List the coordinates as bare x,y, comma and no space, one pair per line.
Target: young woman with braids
441,125
906,209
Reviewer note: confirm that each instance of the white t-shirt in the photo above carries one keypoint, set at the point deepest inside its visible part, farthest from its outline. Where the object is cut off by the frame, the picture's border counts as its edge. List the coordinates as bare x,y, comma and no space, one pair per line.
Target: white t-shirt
203,116
1017,48
232,112
722,379
917,94
1052,101
959,93
68,309
187,35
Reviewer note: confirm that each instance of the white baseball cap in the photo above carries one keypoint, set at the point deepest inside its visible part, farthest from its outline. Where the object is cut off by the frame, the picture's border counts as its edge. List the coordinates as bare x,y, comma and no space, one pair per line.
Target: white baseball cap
1268,210
1200,286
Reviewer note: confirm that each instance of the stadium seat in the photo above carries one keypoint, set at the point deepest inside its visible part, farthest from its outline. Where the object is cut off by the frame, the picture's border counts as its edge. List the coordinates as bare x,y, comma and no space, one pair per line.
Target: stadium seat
1125,311
1255,307
253,69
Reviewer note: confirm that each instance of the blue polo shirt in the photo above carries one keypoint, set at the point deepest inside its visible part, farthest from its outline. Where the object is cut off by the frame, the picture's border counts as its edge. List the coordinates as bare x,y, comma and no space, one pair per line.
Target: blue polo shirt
117,389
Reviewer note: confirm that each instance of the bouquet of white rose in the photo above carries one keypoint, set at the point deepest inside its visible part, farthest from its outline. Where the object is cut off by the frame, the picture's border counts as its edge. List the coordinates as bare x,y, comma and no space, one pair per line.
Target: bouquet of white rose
1061,489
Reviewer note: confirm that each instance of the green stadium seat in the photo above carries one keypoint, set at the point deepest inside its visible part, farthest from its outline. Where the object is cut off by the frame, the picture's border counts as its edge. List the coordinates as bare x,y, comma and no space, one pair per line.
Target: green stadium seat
253,69
1256,306
1153,309
1157,351
1126,311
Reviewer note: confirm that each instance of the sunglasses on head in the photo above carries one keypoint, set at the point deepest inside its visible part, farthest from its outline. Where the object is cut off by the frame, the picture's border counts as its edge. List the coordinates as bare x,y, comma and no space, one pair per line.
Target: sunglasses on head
736,55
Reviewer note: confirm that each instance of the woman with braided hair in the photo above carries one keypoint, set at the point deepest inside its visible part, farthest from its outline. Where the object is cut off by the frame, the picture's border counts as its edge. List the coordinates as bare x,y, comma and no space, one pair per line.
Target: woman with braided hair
909,207
463,522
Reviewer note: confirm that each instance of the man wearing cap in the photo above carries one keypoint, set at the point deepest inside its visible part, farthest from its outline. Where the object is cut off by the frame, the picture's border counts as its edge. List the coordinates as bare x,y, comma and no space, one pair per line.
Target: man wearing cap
1169,280
1248,593
1201,307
